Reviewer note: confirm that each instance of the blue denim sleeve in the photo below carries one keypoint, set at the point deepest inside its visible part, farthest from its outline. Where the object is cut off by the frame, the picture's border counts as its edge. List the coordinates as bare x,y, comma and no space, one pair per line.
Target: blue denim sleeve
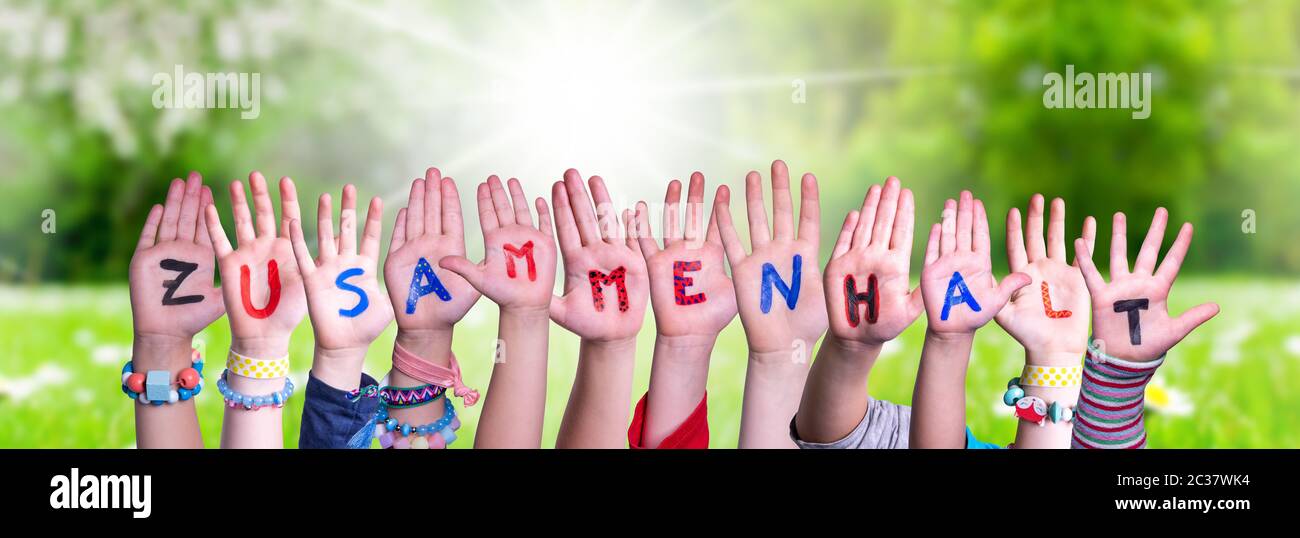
329,417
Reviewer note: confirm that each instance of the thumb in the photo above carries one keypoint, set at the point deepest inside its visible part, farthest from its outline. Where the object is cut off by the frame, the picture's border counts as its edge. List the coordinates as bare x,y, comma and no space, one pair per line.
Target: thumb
468,270
1010,285
559,309
1191,319
915,304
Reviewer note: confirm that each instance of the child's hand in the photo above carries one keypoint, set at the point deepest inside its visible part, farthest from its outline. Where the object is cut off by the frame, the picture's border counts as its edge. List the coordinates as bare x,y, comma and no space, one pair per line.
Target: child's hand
518,267
1131,313
689,288
960,292
171,275
429,229
605,283
789,309
1050,317
262,286
873,254
347,307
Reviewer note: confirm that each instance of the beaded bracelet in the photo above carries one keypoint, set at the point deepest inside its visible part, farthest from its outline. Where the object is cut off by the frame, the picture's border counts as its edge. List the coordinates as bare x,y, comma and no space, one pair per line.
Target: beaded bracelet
253,403
435,435
155,386
408,397
1033,408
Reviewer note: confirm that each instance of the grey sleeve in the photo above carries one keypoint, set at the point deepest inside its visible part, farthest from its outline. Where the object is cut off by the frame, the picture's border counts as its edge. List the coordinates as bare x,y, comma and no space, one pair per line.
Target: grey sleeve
885,425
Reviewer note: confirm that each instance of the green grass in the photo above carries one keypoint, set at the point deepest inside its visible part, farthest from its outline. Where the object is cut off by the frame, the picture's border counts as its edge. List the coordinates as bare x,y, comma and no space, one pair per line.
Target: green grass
1237,379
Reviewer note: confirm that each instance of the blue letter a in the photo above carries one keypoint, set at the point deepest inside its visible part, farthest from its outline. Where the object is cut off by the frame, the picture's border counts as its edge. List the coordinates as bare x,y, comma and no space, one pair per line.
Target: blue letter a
423,272
772,279
963,296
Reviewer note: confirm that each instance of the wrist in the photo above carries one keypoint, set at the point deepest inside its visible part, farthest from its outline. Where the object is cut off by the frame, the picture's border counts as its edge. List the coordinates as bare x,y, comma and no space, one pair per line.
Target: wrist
613,349
851,348
339,368
1039,357
265,348
153,352
962,338
686,342
430,344
535,314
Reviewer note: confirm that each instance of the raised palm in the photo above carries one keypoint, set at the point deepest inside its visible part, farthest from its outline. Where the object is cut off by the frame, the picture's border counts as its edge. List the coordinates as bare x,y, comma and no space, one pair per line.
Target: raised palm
518,267
596,259
341,317
172,270
263,288
957,284
779,328
874,246
689,288
1051,314
1141,294
430,228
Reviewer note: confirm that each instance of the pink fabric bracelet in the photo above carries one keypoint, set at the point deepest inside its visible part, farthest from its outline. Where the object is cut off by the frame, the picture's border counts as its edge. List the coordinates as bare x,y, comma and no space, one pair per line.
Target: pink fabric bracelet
428,372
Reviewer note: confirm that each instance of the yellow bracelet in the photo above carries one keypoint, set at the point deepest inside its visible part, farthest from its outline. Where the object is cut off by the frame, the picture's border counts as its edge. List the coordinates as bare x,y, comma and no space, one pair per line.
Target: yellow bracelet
257,368
1052,376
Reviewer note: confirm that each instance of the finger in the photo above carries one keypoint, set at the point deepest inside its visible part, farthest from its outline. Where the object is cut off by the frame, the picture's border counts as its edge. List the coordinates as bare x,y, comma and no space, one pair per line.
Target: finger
695,210
867,217
1089,236
244,232
453,220
305,264
782,204
544,218
759,234
520,202
1009,285
904,223
713,235
980,237
265,223
220,243
348,222
415,210
948,235
1118,247
1017,258
648,245
1177,253
399,231
1083,257
566,229
326,246
730,241
845,239
505,213
433,201
1146,259
1191,319
172,210
810,210
374,229
189,217
1056,231
880,235
932,244
289,209
629,232
150,231
606,214
470,271
1035,248
965,221
202,237
671,224
578,203
487,213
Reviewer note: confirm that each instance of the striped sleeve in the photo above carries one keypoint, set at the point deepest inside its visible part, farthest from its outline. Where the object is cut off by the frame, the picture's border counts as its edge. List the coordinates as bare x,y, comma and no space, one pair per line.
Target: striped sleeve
1109,412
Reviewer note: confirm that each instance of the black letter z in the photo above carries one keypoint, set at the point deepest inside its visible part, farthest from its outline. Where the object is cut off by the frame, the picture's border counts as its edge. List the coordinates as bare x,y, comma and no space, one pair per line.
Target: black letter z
184,268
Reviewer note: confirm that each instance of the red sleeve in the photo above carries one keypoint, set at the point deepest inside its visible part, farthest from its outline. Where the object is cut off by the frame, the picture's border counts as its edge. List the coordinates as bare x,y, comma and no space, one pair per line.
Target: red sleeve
692,433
